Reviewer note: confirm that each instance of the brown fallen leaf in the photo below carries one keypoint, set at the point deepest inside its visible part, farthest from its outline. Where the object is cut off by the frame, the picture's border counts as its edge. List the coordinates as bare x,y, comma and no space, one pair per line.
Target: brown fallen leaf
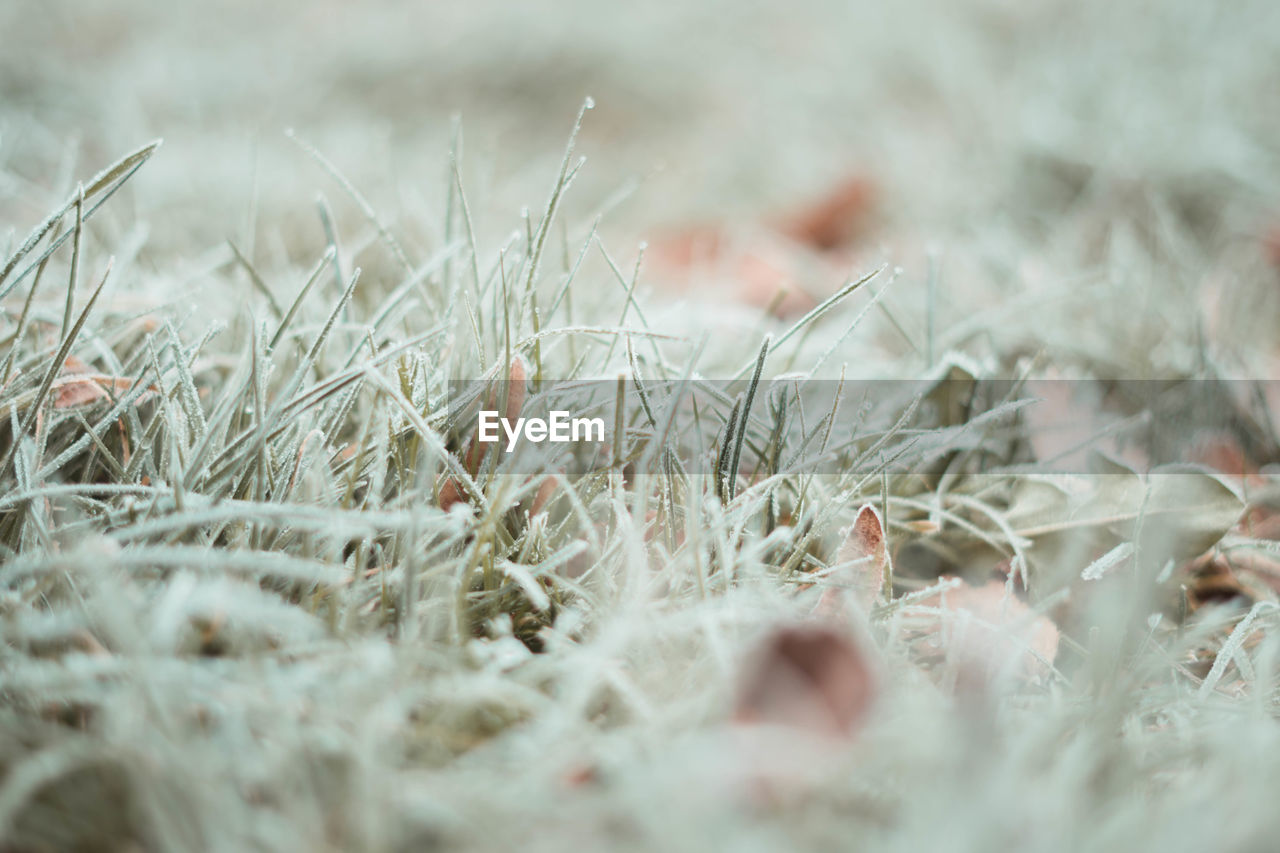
755,268
1212,580
810,677
1222,451
837,219
580,774
1261,522
767,279
79,385
72,391
546,491
76,391
1069,422
865,552
775,265
450,493
1271,245
517,375
689,248
1185,511
1260,568
985,633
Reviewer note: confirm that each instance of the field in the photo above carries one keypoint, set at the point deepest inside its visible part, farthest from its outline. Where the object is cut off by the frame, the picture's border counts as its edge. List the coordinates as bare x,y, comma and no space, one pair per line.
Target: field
935,348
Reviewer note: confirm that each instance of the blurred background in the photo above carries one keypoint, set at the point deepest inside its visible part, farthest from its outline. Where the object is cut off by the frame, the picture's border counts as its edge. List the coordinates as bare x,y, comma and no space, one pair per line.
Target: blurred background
1053,154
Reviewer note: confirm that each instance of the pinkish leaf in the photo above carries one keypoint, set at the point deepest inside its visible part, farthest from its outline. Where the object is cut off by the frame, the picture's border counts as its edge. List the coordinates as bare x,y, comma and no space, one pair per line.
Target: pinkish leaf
986,632
837,219
77,391
517,374
756,268
865,556
810,677
72,391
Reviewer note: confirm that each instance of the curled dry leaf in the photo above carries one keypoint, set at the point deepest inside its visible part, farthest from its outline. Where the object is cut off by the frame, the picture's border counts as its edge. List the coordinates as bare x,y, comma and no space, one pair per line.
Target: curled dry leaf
76,391
72,391
517,375
79,385
865,556
809,677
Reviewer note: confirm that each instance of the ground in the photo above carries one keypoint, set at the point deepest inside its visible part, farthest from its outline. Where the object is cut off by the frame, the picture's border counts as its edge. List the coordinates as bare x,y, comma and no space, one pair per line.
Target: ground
965,538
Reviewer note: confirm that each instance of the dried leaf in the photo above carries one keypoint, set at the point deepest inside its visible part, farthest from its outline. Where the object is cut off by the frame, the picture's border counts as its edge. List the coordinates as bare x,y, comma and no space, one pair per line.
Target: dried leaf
1261,522
692,247
78,385
1221,451
545,494
756,269
1068,421
985,632
1184,511
924,526
1271,245
517,375
837,219
450,493
1213,581
866,554
72,391
765,282
808,677
76,392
